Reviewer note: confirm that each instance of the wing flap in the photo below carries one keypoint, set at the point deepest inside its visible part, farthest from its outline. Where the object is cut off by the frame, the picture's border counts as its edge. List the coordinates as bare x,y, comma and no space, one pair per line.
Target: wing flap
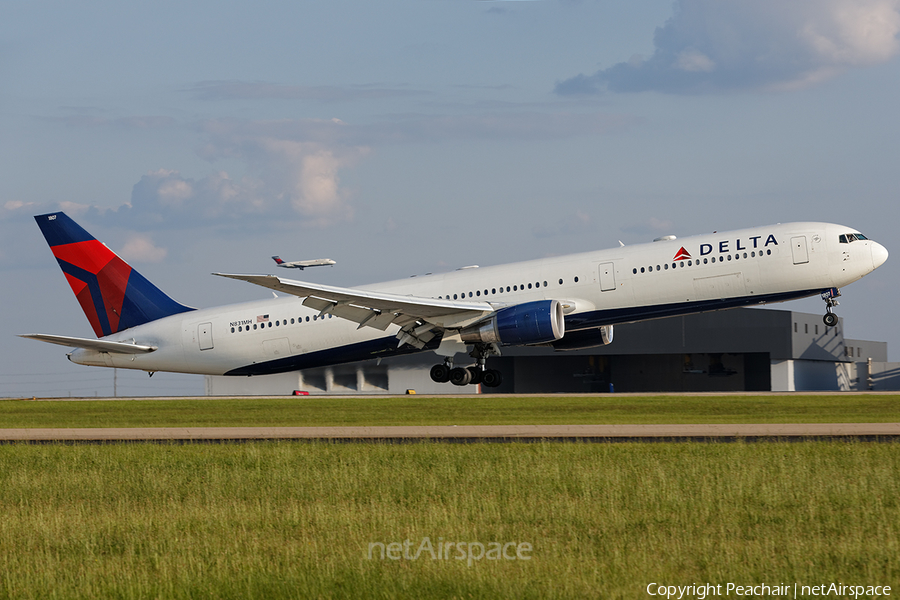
364,317
360,305
99,345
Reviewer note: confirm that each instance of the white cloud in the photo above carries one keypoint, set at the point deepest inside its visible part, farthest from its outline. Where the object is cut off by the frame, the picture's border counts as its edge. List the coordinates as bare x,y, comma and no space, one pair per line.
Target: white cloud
166,196
291,171
73,208
720,45
140,248
691,60
294,166
317,184
306,175
173,191
854,33
13,206
18,209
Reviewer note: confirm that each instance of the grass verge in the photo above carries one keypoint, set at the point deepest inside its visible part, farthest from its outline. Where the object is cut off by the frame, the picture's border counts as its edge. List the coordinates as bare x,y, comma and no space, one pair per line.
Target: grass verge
287,520
444,410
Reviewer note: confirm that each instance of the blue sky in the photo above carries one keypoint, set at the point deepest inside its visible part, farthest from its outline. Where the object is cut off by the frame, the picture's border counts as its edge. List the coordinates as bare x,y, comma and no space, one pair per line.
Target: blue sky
416,136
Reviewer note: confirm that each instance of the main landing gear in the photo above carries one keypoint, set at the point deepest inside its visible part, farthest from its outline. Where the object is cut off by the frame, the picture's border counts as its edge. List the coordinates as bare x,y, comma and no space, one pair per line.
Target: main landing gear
830,319
473,374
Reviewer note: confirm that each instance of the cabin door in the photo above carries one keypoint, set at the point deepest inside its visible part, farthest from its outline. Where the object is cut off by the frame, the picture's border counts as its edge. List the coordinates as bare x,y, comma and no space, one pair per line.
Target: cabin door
800,250
204,334
607,277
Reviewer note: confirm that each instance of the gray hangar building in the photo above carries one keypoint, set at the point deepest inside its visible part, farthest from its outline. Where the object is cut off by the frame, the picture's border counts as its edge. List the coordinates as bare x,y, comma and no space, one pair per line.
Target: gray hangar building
744,349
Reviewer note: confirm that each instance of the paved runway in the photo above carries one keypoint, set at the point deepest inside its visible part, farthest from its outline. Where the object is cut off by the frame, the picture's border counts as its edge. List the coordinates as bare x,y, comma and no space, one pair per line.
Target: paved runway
468,433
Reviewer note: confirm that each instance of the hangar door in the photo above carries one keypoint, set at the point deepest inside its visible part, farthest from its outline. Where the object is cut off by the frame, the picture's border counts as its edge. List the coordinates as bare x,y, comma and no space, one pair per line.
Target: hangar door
607,277
799,249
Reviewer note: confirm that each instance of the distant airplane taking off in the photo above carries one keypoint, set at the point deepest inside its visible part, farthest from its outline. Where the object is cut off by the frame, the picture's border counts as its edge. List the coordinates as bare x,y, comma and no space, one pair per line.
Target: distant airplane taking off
565,302
302,264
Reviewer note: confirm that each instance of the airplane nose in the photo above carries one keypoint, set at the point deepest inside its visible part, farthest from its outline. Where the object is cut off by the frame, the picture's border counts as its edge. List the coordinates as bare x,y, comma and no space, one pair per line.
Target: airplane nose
879,254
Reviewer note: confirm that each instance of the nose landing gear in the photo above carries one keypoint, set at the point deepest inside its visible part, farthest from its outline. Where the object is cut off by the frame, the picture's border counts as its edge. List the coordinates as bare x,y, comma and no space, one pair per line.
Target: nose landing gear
830,319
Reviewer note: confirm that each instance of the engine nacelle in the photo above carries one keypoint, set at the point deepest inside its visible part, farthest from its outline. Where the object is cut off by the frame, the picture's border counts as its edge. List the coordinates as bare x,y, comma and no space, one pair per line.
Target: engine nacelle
536,322
582,340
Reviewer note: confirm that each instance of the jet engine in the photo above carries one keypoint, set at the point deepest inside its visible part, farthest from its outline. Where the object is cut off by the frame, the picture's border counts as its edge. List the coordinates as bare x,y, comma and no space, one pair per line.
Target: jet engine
536,322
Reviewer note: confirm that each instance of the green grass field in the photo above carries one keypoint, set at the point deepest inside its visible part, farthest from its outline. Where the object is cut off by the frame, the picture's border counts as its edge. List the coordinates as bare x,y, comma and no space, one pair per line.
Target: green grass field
448,410
295,520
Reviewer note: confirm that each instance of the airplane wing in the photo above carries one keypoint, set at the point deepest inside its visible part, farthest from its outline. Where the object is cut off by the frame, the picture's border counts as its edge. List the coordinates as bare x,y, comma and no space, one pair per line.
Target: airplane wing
99,345
415,315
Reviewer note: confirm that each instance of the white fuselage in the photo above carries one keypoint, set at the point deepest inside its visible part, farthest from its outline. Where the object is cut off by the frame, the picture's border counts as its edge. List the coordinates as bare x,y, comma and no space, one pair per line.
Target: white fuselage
624,284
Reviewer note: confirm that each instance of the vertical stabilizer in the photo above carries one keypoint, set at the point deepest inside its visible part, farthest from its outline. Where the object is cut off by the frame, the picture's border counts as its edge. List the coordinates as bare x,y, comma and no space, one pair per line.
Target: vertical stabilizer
113,296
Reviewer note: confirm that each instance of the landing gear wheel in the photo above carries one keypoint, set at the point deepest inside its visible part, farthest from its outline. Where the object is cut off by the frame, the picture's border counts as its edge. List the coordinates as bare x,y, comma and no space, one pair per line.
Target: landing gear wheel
491,378
440,373
830,297
460,376
476,373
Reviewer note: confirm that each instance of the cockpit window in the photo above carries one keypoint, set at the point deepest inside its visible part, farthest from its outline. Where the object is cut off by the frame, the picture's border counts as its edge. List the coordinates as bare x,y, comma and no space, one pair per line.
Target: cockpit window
846,238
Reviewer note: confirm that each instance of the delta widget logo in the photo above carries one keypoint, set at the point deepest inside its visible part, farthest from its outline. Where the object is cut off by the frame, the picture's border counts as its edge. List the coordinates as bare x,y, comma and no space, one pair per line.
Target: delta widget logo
682,254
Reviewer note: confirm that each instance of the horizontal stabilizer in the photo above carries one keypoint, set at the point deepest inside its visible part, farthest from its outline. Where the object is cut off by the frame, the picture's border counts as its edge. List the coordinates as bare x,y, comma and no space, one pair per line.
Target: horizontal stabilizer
98,345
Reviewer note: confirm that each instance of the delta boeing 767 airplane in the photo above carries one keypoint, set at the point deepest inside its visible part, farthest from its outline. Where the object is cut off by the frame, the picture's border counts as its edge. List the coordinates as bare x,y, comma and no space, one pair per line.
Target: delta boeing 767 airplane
566,302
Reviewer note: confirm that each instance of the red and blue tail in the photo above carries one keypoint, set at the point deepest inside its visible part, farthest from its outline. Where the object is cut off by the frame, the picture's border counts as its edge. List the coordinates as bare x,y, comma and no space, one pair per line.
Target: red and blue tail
113,296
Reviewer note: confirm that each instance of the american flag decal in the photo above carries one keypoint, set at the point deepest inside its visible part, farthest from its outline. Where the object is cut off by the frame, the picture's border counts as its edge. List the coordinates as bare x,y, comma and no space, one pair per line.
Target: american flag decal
262,319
